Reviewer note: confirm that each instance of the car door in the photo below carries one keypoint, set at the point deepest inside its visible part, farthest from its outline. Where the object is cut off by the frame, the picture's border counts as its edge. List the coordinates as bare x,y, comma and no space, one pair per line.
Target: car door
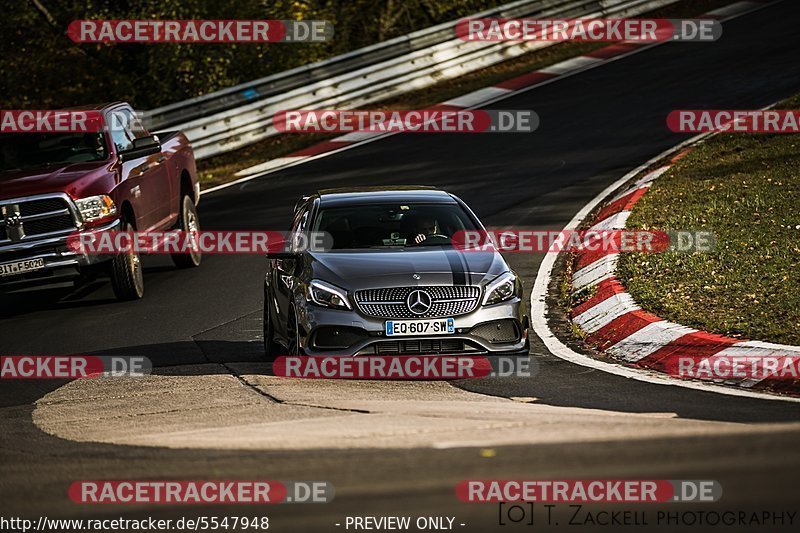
283,272
146,178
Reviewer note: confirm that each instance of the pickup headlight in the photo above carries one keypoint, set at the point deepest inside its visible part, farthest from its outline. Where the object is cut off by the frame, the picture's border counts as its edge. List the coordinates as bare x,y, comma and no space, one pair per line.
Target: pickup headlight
96,208
500,289
327,295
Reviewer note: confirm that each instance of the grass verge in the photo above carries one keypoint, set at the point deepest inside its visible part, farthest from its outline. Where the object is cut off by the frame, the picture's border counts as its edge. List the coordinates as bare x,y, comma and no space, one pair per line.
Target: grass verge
745,189
221,169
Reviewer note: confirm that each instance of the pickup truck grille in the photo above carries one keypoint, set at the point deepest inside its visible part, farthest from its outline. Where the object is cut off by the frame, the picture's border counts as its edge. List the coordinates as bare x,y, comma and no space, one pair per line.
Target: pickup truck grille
37,207
445,301
31,218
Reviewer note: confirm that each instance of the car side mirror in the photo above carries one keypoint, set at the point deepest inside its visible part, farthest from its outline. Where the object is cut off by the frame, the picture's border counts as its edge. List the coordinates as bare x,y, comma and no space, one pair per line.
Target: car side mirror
288,262
283,255
142,146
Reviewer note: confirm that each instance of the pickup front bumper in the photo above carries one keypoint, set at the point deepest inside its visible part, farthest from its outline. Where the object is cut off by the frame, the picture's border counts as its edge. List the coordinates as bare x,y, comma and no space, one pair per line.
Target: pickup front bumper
55,253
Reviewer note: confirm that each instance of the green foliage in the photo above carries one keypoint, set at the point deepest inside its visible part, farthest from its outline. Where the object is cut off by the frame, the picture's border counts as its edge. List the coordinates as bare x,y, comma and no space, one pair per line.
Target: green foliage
746,190
42,68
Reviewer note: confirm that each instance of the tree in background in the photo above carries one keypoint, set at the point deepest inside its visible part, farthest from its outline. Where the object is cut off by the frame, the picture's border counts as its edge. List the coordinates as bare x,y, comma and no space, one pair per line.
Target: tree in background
42,68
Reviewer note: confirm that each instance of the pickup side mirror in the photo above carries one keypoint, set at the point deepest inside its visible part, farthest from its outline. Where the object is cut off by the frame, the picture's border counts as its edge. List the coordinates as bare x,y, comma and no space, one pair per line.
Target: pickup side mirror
142,146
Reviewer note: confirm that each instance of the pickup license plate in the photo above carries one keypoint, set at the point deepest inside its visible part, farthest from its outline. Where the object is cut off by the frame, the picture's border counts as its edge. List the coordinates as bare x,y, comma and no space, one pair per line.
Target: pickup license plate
439,326
20,267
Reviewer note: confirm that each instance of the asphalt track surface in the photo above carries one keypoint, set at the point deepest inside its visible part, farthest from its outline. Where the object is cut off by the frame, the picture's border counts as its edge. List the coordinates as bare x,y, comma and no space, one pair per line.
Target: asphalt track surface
214,412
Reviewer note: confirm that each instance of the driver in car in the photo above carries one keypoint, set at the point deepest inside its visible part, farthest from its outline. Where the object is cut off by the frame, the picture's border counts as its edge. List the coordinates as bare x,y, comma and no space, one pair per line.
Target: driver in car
95,141
427,227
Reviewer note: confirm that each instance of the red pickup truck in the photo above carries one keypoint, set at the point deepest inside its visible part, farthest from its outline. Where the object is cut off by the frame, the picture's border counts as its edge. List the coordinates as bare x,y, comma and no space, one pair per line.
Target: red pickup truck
54,185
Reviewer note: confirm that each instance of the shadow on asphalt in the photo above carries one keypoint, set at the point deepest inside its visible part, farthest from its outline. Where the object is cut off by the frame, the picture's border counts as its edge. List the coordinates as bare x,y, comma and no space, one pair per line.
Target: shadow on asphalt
556,382
564,384
61,293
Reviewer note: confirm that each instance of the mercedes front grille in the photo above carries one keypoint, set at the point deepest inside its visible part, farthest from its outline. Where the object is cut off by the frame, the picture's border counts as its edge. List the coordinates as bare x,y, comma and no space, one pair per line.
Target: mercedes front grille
445,301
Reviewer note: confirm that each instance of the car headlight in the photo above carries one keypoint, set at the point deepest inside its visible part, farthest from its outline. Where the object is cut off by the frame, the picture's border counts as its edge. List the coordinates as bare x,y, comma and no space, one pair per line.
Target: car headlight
500,289
327,295
96,208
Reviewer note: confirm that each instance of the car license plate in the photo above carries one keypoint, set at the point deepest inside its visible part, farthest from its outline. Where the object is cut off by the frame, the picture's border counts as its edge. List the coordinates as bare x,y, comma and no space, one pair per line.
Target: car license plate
439,326
20,267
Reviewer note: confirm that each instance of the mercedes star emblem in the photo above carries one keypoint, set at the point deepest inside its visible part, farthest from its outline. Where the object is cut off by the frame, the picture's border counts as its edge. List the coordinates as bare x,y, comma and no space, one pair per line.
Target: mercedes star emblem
419,302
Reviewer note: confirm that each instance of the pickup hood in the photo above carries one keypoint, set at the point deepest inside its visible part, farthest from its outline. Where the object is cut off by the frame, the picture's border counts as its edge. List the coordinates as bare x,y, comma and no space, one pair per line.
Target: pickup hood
395,268
76,179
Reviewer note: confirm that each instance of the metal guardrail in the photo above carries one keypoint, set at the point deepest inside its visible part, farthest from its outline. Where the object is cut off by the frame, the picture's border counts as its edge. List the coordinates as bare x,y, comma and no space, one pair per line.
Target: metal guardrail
298,77
238,116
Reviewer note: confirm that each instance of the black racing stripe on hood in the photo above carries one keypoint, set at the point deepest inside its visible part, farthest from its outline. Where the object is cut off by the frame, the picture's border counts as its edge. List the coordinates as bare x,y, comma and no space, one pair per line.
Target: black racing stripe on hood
458,266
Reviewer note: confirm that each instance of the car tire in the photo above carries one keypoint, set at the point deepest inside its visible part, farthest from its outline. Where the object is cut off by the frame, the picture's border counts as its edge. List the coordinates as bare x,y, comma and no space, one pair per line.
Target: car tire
292,337
188,222
271,348
125,269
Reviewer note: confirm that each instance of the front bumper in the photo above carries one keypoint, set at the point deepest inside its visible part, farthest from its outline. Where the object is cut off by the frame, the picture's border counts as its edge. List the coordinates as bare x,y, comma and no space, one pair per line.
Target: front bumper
364,335
54,251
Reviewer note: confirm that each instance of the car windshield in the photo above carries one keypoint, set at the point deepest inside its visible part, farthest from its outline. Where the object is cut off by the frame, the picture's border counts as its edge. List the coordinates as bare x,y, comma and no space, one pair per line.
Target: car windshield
20,151
393,225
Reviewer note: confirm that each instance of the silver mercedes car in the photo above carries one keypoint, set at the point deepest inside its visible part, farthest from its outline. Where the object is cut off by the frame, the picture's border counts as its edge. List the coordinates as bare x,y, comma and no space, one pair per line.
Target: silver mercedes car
390,280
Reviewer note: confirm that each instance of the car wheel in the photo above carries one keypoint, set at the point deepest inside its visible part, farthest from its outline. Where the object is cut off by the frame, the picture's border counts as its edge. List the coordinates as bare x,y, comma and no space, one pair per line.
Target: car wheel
190,223
127,278
292,338
271,348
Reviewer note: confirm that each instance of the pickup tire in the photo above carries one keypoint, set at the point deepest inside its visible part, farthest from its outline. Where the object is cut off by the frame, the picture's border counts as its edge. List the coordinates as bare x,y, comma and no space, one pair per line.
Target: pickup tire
188,222
127,278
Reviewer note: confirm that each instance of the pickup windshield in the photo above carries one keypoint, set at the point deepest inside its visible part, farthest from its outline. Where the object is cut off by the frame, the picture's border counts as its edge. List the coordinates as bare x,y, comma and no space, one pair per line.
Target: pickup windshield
20,151
393,225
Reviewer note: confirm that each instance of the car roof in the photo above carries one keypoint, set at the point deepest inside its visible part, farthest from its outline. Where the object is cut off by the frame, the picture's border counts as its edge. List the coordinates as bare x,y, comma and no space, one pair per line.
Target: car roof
378,195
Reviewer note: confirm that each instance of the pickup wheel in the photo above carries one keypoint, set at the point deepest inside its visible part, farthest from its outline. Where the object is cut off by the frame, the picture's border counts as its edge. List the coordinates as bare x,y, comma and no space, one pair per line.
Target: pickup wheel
127,278
190,223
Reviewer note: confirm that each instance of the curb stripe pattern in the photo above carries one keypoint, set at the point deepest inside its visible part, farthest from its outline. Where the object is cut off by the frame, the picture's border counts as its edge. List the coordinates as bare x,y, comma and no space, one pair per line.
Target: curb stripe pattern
617,325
